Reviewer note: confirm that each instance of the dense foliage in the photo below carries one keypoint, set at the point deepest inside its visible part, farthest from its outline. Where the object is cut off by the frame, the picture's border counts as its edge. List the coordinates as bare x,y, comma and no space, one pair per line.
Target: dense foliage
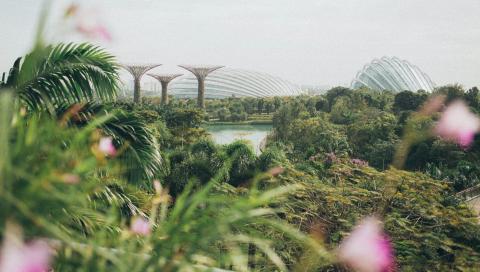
430,230
327,152
369,126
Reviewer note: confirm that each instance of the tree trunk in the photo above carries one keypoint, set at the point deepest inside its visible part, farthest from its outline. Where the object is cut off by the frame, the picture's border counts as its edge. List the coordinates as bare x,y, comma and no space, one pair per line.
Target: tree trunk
164,93
201,93
136,91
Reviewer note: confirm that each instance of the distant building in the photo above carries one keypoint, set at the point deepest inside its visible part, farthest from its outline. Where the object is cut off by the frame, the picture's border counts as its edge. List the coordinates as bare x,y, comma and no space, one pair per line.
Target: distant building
228,82
393,74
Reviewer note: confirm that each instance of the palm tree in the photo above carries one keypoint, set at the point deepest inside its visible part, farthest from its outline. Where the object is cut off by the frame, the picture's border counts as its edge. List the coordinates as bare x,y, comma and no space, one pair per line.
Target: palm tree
63,74
55,78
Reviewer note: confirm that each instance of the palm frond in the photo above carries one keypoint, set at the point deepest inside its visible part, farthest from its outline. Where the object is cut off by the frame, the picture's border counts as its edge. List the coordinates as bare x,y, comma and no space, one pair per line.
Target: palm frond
64,74
141,153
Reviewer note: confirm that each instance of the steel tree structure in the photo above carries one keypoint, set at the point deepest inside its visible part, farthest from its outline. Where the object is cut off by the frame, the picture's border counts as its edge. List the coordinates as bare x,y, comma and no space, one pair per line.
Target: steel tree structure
137,71
201,72
164,80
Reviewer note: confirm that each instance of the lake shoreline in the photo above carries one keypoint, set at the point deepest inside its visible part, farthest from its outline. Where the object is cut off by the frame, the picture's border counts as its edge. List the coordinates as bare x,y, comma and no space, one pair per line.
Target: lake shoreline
255,122
227,133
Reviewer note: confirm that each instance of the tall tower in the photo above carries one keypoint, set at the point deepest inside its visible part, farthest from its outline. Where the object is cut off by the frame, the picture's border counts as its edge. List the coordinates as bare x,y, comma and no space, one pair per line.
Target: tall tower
137,72
164,80
201,72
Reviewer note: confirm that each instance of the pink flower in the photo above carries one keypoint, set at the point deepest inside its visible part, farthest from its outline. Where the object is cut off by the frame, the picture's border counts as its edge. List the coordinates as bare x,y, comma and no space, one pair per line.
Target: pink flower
106,146
367,249
157,186
87,23
140,226
330,158
19,257
458,124
94,31
359,162
70,178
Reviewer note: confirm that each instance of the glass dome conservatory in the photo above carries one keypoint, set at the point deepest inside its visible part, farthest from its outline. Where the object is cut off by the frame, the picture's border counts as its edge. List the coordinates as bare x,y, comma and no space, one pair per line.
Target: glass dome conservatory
394,74
228,82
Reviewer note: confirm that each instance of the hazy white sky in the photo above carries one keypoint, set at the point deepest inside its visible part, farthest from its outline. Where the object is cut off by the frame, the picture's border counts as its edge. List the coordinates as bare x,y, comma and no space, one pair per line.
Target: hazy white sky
304,41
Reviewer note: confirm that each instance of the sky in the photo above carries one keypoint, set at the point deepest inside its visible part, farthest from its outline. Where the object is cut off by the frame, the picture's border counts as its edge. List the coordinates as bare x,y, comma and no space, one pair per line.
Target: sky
308,42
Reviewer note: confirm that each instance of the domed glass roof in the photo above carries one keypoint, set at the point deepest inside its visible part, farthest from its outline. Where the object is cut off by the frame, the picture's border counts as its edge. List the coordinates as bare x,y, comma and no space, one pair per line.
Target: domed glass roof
228,82
394,74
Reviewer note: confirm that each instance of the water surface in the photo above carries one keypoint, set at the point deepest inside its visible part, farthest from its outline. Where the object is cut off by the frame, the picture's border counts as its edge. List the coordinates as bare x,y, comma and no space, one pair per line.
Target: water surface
226,134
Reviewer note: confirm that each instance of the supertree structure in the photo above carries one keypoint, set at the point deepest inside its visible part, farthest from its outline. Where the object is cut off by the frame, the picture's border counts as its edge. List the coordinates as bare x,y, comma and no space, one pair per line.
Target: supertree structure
164,80
137,71
201,72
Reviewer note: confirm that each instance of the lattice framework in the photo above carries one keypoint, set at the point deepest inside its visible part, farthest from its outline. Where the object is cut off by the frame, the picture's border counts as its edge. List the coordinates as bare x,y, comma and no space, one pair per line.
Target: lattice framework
137,71
164,80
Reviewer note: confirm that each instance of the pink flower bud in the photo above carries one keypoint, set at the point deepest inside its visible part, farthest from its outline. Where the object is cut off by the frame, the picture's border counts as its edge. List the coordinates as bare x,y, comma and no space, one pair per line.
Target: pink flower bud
70,178
140,226
87,23
157,186
367,249
458,124
94,31
106,146
19,257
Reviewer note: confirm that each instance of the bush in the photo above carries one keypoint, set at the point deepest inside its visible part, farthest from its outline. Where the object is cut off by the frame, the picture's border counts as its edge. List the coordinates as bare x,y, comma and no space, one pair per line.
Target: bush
243,162
270,157
316,135
204,147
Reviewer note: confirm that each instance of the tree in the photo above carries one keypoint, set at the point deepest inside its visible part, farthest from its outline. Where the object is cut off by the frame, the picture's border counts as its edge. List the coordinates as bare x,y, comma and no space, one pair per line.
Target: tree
260,105
249,104
269,106
242,160
472,96
316,135
452,92
223,114
372,137
321,104
277,101
408,101
342,112
281,120
185,124
335,93
64,79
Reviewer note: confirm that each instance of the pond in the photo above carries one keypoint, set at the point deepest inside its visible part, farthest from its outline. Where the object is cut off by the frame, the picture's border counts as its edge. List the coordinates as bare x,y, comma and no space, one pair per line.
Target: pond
226,134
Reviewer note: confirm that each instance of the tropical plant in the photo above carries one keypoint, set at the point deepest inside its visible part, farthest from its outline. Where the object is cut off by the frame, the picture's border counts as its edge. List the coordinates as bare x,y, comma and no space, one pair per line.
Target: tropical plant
140,152
63,74
243,162
52,175
64,80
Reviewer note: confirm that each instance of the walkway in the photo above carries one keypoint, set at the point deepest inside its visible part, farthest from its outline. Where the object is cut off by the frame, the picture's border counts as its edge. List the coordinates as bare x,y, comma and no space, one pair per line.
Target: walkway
472,197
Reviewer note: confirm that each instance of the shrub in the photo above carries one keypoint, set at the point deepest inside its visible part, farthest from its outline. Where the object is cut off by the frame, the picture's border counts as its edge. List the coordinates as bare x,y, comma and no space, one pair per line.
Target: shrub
243,162
270,157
